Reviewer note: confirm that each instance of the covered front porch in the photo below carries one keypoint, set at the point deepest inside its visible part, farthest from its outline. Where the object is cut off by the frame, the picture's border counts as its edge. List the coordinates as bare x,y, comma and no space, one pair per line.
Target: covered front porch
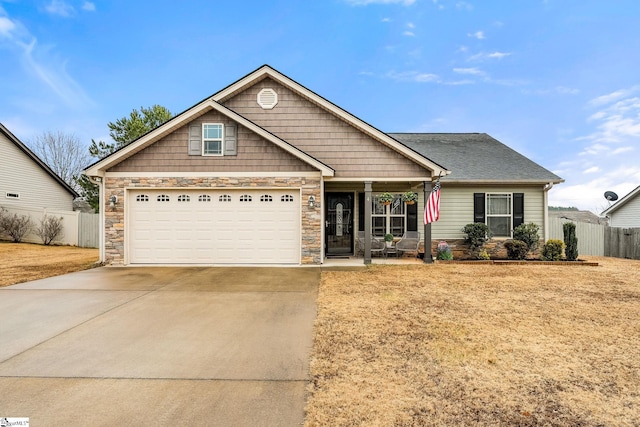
357,218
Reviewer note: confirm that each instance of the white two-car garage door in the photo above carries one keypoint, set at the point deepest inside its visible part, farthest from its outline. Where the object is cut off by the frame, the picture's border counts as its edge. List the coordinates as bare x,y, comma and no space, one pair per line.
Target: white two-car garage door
213,226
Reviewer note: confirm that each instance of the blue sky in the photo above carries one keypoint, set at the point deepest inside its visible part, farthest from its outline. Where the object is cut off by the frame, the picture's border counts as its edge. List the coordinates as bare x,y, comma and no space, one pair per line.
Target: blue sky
557,80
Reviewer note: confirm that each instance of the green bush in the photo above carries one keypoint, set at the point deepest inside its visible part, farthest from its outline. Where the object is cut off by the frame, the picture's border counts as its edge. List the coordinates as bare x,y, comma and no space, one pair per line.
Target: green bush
570,241
552,250
477,235
528,233
516,249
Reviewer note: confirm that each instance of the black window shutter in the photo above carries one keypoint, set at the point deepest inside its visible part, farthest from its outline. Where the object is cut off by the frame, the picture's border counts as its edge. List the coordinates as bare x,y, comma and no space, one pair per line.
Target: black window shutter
360,211
518,209
478,207
412,217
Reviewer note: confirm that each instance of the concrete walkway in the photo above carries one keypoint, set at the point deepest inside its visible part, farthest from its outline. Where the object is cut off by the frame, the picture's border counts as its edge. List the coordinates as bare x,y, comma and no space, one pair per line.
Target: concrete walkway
159,346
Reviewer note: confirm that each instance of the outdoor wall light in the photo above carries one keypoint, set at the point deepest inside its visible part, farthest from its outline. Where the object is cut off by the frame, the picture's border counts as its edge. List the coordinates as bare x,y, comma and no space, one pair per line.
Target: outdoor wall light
112,201
312,201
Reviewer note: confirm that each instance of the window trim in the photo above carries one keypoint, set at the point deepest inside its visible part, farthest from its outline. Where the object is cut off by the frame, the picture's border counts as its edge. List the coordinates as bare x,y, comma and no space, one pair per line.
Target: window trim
388,215
510,215
12,195
205,140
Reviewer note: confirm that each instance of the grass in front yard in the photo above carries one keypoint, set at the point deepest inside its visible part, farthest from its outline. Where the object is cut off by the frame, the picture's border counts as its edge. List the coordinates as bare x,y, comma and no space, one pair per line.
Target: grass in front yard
21,262
478,345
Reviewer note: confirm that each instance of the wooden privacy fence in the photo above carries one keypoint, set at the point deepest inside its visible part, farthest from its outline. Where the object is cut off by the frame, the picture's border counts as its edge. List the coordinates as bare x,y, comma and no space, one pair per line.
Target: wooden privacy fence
600,239
622,242
79,228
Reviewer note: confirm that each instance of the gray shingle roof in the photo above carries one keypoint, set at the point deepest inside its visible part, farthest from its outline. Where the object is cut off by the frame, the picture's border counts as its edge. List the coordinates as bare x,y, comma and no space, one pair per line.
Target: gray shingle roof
476,157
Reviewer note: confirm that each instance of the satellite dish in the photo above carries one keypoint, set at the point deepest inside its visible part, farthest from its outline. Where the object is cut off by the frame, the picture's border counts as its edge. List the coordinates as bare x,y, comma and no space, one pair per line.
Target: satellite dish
610,196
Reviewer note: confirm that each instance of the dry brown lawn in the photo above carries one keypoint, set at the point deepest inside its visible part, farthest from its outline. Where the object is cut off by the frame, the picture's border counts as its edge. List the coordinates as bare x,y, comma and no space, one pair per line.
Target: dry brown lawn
478,345
21,262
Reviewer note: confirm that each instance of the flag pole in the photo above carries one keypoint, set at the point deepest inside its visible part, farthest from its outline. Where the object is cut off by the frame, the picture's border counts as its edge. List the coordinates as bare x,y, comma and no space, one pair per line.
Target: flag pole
428,257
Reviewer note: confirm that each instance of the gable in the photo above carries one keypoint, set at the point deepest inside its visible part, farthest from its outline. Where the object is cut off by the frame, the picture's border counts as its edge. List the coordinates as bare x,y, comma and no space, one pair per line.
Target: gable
170,153
23,175
322,134
184,119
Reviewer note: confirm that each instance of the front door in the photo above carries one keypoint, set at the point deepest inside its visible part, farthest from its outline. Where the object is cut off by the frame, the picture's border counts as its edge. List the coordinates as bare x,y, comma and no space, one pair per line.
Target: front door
339,223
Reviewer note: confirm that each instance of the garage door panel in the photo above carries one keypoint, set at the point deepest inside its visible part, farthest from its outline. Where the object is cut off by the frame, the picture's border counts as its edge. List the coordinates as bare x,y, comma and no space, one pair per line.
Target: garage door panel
218,231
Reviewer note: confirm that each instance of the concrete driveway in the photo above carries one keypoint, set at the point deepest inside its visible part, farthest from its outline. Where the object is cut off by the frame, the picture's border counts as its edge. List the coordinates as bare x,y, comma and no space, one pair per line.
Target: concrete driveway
159,346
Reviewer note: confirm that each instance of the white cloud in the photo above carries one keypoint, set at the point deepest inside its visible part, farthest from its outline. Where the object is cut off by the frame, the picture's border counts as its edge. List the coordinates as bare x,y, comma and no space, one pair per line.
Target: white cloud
477,35
60,8
622,150
386,20
410,25
618,122
483,56
558,90
89,6
473,71
498,55
413,76
459,82
589,195
463,5
368,2
38,63
613,96
408,33
592,169
6,26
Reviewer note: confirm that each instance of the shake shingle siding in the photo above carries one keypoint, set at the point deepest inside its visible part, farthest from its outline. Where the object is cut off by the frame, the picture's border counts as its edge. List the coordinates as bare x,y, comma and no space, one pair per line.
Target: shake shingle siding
324,136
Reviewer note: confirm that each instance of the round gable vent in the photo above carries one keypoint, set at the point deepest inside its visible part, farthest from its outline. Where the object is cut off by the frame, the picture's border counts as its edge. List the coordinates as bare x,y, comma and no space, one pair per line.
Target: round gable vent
267,98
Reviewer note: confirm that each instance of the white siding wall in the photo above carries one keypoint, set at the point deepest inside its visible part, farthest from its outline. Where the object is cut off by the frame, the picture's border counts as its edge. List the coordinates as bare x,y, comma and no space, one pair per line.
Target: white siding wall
456,208
20,174
627,216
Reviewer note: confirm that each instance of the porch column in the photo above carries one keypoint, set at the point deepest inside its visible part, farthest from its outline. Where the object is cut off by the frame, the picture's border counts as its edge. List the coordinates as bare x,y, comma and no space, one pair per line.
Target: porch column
428,259
367,222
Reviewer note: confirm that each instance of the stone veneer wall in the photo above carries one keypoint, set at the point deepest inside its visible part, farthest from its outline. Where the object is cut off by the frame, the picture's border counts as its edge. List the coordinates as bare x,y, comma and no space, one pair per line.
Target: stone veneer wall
494,247
311,244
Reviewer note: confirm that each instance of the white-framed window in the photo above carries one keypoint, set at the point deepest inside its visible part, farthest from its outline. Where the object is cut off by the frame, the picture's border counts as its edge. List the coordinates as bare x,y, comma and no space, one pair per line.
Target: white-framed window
184,198
12,195
212,139
499,213
163,198
246,198
388,219
266,198
224,198
204,198
286,198
142,198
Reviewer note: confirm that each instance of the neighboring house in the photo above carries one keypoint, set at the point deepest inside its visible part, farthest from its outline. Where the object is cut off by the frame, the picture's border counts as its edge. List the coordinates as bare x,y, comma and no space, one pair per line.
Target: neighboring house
625,213
578,216
266,171
26,181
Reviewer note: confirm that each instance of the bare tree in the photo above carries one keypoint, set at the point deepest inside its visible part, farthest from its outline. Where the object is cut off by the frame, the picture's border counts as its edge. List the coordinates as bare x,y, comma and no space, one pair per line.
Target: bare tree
64,154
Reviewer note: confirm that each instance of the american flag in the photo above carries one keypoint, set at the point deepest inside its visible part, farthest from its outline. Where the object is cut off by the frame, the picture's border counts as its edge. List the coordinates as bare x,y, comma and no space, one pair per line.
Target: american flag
432,207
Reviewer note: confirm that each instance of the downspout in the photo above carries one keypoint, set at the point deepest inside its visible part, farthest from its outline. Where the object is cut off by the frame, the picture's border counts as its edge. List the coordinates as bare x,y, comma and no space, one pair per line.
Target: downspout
100,182
546,189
